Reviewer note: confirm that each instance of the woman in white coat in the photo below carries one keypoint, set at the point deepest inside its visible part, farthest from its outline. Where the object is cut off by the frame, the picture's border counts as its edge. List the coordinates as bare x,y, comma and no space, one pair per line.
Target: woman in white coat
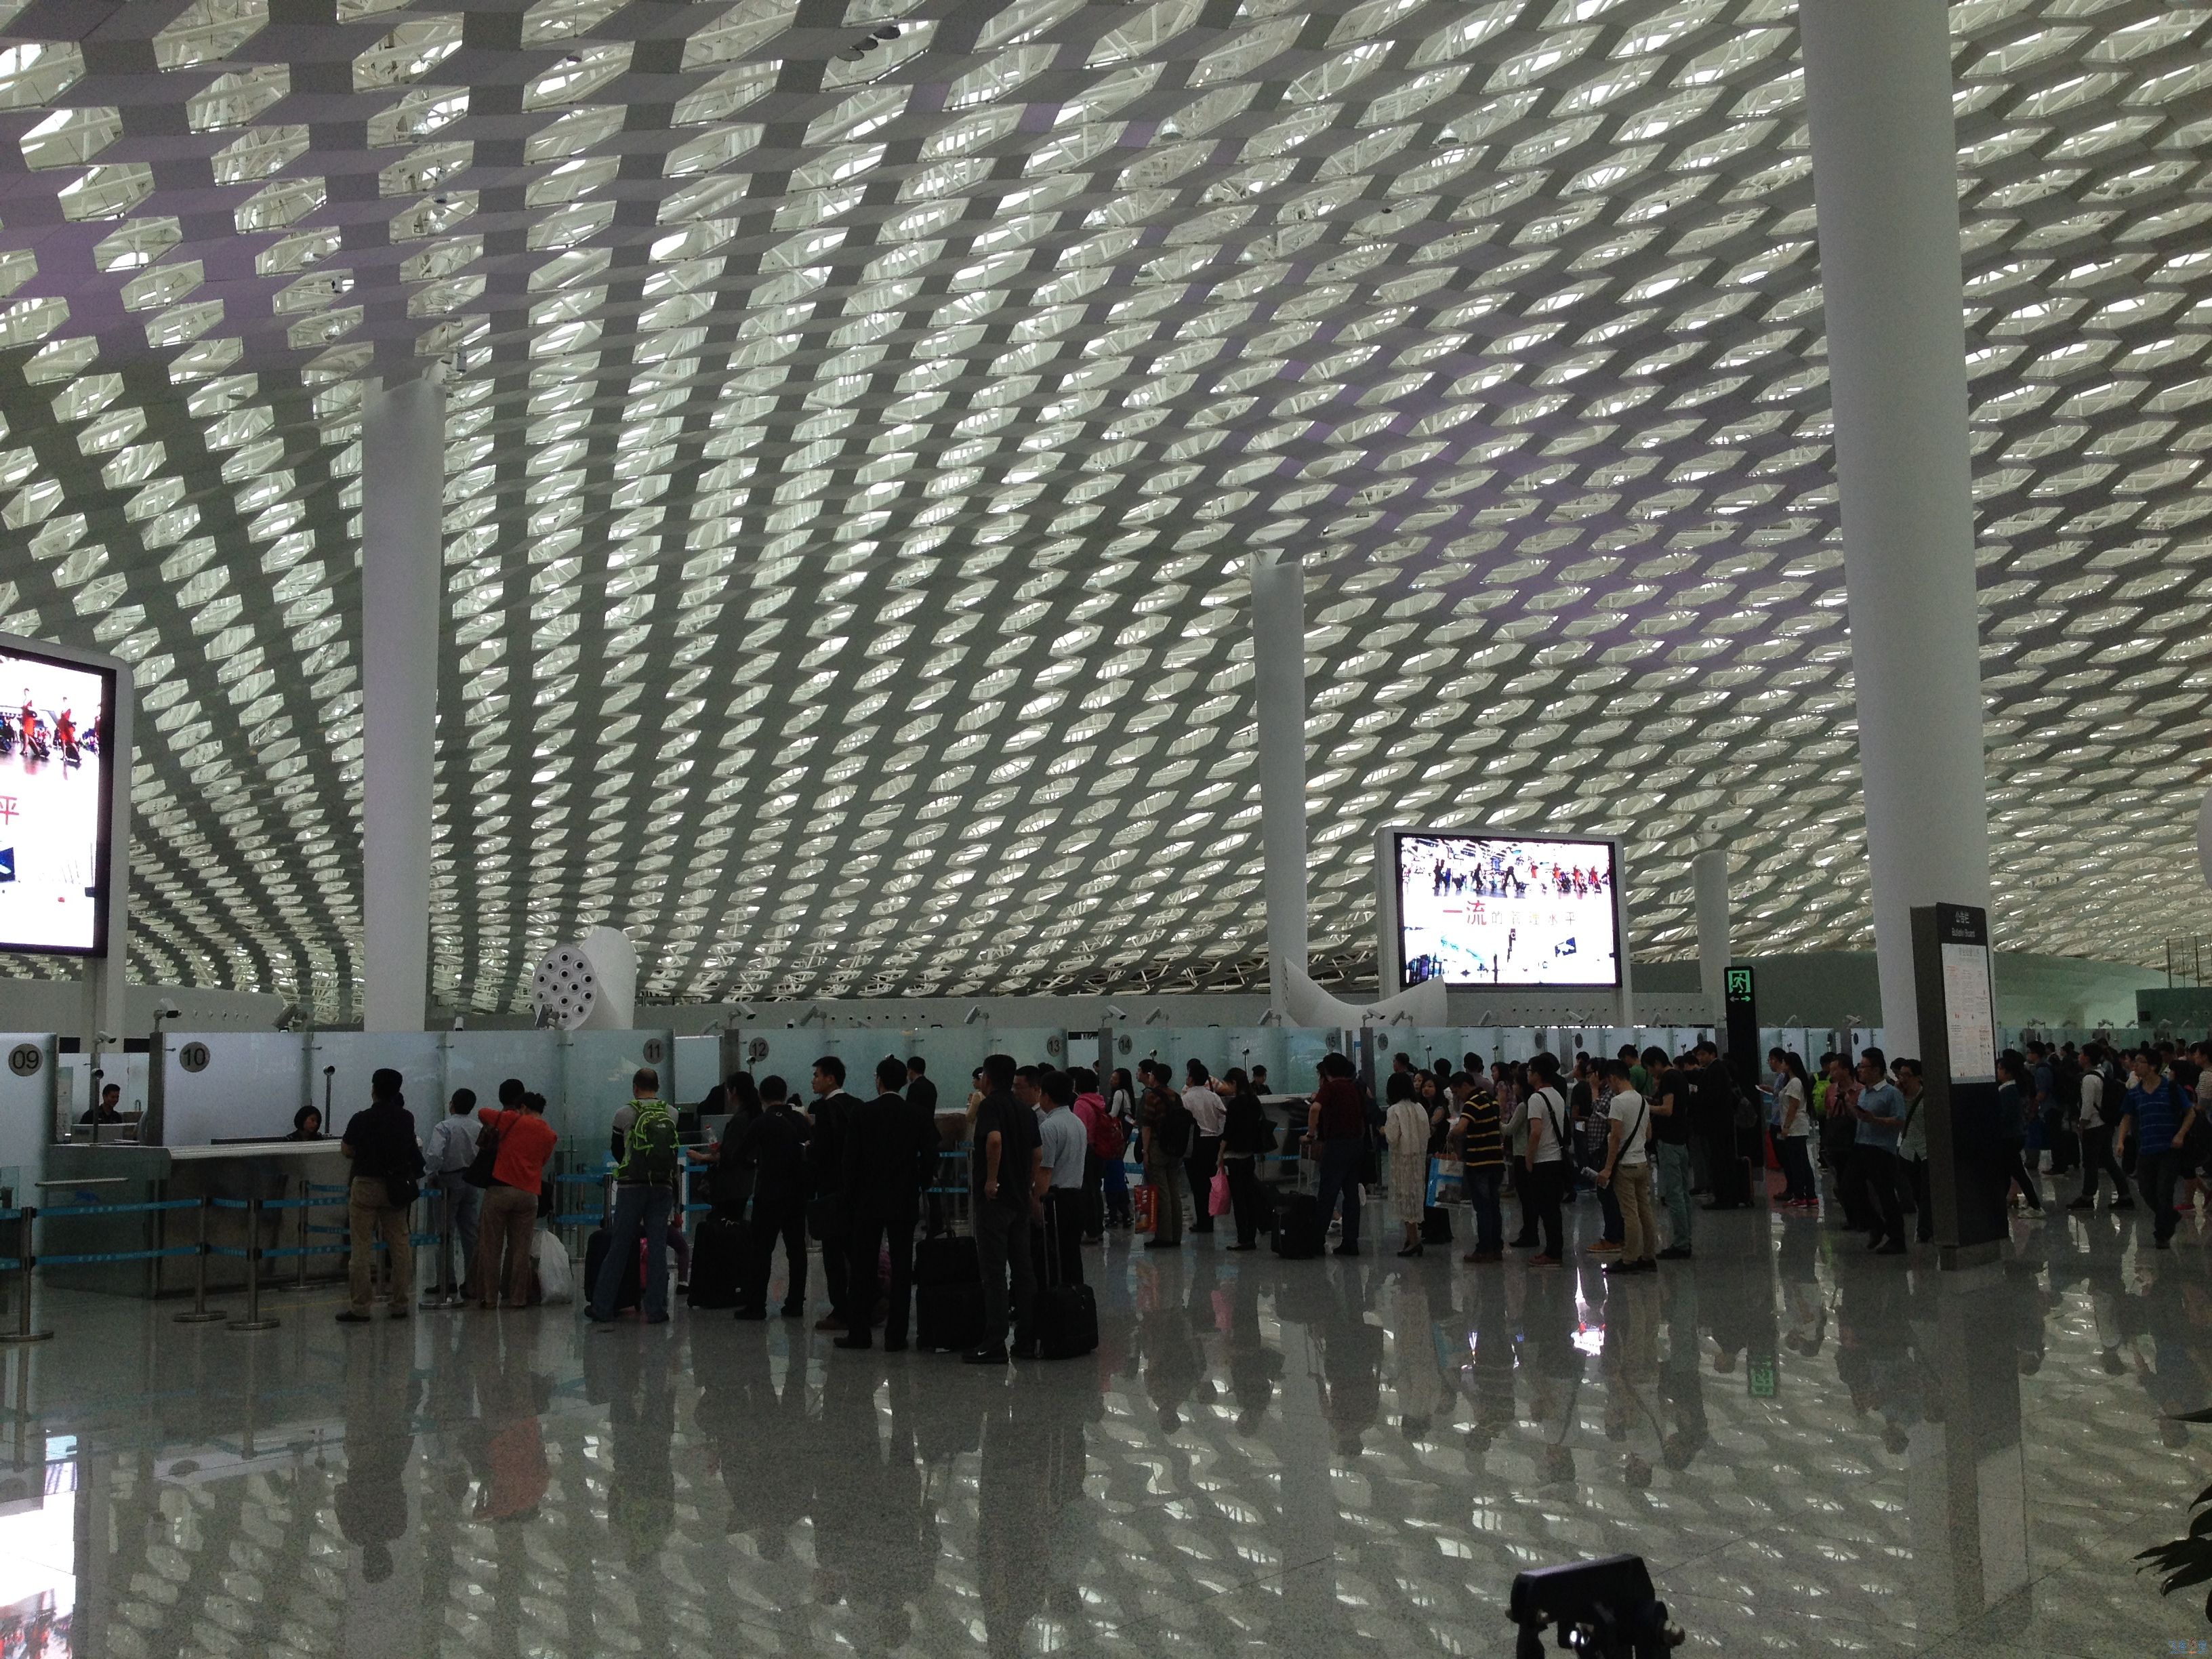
1406,1126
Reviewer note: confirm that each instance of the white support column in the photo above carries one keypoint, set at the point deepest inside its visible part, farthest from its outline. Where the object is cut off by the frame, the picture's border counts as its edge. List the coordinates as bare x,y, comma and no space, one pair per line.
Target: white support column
403,480
107,978
1709,871
1279,680
1886,184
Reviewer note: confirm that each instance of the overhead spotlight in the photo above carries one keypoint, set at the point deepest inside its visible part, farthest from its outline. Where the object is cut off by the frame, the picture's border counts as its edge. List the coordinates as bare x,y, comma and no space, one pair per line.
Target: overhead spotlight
1157,1017
888,32
810,1016
974,1013
460,1023
713,1028
292,1019
1271,1018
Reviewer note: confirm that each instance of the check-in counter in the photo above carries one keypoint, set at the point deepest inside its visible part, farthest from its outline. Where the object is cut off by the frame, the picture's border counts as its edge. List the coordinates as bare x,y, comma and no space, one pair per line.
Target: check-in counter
112,1173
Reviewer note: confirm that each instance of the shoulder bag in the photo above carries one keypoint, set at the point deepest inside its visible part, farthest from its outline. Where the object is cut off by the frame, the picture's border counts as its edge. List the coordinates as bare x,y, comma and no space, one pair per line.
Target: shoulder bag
478,1174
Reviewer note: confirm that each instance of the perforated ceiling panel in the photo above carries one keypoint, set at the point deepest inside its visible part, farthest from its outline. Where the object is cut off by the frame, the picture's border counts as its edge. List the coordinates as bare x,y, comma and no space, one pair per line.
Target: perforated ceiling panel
863,411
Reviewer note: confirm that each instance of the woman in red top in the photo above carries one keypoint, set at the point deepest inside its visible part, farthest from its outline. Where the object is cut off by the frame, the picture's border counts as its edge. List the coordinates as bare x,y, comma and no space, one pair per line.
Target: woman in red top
510,1203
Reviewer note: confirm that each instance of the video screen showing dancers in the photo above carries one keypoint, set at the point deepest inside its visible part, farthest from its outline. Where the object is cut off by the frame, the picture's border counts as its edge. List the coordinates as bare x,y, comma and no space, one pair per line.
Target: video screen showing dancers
1501,912
54,721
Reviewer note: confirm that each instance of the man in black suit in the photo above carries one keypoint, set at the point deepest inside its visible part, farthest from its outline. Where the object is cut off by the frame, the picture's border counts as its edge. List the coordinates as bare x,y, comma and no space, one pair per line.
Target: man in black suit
1713,1119
891,1151
832,1206
773,1147
921,1103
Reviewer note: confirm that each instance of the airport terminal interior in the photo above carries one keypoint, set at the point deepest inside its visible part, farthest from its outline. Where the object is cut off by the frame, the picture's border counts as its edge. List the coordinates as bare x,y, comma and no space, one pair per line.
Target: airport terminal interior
630,548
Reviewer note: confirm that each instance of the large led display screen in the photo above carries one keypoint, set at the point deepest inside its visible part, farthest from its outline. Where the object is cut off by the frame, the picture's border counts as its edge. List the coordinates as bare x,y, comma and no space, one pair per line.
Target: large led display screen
1501,911
55,778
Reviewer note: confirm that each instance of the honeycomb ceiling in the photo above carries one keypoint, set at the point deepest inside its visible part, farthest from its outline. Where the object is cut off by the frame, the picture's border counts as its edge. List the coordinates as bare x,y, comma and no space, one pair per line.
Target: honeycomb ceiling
860,413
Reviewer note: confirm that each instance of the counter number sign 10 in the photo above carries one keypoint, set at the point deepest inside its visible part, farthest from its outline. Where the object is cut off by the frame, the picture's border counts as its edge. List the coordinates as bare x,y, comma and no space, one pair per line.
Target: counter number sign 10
193,1056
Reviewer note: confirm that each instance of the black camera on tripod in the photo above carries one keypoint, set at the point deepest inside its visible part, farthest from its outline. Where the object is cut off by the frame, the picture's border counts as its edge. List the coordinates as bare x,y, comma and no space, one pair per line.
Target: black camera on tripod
1604,1610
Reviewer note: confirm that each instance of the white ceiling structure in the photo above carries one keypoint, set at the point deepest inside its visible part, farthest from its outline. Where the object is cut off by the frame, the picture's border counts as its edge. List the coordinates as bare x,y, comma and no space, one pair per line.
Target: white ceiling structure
861,411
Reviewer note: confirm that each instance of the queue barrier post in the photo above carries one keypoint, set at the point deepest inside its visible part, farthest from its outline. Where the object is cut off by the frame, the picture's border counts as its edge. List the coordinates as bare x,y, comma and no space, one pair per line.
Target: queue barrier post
200,1313
253,1320
25,1261
299,1281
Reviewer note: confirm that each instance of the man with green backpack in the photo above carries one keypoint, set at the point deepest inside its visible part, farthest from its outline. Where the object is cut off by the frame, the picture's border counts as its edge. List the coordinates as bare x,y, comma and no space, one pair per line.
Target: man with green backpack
647,1157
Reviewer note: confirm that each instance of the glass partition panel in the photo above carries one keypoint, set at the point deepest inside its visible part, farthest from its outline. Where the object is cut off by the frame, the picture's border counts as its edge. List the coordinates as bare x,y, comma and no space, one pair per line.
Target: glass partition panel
1304,1048
596,1076
482,1061
222,1086
697,1070
341,1064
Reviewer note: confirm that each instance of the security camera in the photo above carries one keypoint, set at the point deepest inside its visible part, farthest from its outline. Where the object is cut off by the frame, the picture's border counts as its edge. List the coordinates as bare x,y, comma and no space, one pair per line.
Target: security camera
460,1023
1115,1011
746,1010
166,1009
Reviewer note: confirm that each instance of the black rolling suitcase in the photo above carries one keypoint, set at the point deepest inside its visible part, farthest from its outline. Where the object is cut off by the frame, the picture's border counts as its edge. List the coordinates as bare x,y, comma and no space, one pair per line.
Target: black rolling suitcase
1066,1316
949,1318
632,1293
1435,1225
1299,1233
718,1258
948,1259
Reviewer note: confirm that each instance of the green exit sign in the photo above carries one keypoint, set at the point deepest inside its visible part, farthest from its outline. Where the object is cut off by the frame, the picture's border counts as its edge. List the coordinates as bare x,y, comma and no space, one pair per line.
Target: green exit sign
1738,984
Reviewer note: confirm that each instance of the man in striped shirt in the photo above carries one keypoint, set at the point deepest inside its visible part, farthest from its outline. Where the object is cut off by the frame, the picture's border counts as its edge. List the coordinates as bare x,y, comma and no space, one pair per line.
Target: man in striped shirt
1480,1139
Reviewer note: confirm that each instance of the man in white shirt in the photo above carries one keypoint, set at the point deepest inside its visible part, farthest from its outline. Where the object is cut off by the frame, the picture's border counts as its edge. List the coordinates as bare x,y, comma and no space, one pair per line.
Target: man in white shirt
2097,1137
1208,1111
1627,1172
1065,1142
447,1150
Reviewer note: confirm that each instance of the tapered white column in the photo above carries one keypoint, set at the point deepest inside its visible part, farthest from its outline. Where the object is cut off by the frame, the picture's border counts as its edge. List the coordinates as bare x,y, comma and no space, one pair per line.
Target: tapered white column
1278,682
1710,874
1885,187
402,479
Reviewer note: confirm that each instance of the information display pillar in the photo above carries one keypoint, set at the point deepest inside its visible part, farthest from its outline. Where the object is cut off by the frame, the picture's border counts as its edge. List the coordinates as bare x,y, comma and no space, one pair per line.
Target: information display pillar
403,483
1709,874
1967,1177
1886,188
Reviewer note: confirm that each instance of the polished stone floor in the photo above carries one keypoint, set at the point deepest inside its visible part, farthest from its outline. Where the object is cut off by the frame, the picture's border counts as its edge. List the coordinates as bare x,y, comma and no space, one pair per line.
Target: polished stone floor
1817,1451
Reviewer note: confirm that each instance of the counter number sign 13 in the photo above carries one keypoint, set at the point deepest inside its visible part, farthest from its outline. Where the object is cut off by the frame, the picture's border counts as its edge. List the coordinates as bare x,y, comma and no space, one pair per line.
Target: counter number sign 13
193,1056
25,1059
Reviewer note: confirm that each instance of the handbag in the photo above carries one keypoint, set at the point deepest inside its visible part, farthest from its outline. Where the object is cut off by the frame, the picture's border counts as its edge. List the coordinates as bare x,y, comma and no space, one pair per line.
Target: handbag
478,1174
400,1192
1218,1202
1447,1182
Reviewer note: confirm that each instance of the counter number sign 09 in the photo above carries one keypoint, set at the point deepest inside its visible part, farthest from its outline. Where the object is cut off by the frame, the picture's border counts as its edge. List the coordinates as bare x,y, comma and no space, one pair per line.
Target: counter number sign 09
193,1056
25,1059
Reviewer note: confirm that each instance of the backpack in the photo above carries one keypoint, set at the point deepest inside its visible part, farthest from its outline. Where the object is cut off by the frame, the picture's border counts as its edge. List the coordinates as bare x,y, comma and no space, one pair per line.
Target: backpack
649,1149
1171,1134
2065,1083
